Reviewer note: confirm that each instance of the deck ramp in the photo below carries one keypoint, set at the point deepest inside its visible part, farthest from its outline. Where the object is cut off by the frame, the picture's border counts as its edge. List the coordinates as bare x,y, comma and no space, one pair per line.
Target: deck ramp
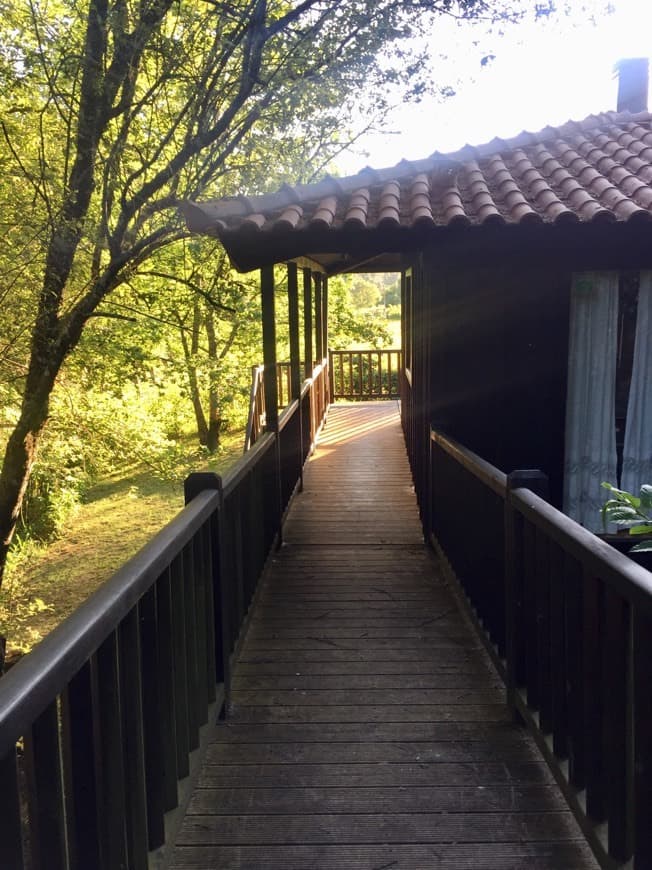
368,727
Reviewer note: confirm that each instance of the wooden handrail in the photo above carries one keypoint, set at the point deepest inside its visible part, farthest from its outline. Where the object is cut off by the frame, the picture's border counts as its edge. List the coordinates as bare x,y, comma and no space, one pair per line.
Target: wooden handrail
256,415
99,723
31,684
365,374
568,621
629,579
479,467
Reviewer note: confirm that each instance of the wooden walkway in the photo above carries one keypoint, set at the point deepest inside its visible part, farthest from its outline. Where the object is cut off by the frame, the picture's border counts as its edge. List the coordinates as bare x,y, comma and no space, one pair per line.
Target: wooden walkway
368,728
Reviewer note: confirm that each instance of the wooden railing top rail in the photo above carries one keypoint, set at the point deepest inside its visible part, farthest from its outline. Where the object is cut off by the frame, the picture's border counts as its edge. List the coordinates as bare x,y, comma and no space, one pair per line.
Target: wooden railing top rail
287,413
632,581
485,471
257,400
37,678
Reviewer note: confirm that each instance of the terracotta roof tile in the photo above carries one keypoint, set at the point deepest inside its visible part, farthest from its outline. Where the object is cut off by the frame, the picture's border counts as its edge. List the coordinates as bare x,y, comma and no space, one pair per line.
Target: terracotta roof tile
389,205
420,205
325,212
290,217
597,169
358,207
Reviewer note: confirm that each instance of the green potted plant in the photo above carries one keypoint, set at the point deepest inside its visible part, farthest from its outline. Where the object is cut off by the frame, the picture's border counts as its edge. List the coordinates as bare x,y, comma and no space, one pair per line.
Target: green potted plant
634,513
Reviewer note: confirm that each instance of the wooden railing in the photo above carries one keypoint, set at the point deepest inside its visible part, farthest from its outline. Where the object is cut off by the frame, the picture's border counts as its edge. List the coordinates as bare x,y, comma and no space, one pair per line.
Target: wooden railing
98,725
568,621
364,374
257,419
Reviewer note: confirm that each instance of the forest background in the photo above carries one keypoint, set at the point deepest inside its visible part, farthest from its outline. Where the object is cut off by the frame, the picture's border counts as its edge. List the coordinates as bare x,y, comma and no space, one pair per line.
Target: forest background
121,333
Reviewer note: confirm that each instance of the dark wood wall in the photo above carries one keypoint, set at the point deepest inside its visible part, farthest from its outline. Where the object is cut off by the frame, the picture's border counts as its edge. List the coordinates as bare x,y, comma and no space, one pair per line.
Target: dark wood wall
498,356
489,327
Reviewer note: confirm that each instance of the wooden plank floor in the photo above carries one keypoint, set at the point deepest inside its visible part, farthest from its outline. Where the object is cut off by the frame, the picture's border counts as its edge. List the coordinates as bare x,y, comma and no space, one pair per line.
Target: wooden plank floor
368,728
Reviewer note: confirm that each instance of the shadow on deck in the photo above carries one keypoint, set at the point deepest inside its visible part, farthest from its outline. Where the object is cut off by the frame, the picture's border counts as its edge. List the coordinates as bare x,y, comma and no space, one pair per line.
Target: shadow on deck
368,727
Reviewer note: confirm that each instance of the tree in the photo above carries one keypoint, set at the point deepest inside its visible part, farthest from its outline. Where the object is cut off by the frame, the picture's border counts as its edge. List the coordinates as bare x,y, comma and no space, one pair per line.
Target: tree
216,318
114,111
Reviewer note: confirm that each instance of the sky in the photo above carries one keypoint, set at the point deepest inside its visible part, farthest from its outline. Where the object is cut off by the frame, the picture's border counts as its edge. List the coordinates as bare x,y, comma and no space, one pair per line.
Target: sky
543,73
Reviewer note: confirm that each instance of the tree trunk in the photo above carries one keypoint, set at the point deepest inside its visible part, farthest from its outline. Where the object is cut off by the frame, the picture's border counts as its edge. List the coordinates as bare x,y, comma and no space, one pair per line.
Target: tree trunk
16,469
214,419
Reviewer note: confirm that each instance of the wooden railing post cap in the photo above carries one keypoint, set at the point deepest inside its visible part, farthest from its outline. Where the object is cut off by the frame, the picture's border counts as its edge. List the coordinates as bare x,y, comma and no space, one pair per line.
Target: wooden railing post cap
529,478
199,481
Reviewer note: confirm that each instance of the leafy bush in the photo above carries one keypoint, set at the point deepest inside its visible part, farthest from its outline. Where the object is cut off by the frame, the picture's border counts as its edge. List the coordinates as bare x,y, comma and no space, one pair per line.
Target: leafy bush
631,511
18,609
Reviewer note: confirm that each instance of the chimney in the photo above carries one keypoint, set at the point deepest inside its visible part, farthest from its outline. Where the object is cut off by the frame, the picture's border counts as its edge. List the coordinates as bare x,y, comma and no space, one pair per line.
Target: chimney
633,74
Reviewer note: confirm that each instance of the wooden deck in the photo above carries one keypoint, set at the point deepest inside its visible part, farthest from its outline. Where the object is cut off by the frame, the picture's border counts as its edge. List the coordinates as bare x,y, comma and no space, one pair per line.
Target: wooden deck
368,728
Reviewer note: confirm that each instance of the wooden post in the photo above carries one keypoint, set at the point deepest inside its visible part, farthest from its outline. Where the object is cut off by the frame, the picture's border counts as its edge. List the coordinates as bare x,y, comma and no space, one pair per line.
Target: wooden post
270,379
307,322
293,318
269,348
319,323
324,308
324,299
295,363
515,617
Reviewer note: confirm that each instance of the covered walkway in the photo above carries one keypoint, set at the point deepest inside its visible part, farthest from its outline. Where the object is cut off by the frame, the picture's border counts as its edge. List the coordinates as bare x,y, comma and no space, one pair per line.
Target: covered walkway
368,728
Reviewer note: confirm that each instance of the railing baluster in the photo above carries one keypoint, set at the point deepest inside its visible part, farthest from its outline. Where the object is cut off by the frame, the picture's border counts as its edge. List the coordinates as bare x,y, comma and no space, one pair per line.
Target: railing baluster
617,747
46,808
544,679
180,667
11,834
370,373
200,626
114,810
530,615
210,625
575,658
515,628
558,662
156,720
592,693
167,681
80,725
192,676
130,665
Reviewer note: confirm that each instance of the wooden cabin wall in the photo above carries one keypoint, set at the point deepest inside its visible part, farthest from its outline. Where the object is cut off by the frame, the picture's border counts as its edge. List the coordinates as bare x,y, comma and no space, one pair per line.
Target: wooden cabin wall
490,357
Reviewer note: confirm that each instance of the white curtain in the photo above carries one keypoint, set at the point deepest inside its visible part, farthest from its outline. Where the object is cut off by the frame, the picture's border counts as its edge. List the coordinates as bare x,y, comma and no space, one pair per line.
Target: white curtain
590,448
637,453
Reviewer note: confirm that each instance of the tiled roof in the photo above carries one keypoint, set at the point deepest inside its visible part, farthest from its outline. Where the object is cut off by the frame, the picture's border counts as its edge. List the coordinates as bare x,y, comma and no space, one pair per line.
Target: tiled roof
598,169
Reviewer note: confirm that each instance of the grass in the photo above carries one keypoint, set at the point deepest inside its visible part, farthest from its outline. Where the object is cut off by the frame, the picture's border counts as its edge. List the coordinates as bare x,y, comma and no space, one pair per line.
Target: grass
118,516
394,328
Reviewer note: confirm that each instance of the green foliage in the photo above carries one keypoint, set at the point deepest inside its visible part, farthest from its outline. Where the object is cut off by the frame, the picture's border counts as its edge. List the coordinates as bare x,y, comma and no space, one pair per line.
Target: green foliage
393,312
17,610
113,114
631,511
347,327
363,292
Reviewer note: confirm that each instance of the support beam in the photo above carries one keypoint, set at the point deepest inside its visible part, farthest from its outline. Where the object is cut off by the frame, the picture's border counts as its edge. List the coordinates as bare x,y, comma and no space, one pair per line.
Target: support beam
295,361
269,347
293,319
324,322
319,329
328,382
307,322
